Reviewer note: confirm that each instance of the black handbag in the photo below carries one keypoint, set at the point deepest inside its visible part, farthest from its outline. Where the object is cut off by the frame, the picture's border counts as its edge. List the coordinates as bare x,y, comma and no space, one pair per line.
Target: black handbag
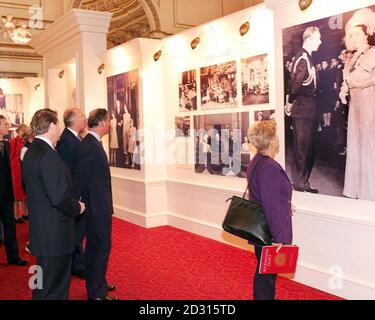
246,220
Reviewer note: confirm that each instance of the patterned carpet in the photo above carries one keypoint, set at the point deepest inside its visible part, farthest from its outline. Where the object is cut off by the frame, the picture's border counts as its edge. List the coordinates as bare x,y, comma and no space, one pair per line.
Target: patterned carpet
164,264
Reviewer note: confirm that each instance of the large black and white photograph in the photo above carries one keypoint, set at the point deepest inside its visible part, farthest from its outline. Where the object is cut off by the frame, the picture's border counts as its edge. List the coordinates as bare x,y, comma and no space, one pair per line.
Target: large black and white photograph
254,80
188,91
11,107
219,86
123,108
221,144
263,115
182,125
329,80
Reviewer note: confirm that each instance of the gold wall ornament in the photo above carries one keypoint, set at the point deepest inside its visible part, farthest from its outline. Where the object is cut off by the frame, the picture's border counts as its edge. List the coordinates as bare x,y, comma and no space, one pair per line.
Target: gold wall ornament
244,28
61,73
195,42
304,4
101,68
157,55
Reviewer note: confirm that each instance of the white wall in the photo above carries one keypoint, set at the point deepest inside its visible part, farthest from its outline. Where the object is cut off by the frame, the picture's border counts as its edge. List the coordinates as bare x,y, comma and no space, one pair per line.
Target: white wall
332,232
140,196
32,99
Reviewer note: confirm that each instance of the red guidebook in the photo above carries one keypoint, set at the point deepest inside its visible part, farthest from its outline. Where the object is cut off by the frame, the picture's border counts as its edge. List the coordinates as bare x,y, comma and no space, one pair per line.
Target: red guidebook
285,261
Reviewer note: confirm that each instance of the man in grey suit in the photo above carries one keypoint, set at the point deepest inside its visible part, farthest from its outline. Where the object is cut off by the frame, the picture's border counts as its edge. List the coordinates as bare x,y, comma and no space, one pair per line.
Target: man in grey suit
52,206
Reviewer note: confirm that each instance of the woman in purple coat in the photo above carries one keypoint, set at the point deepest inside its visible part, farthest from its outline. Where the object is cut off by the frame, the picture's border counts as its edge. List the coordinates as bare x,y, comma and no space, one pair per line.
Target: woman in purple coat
269,186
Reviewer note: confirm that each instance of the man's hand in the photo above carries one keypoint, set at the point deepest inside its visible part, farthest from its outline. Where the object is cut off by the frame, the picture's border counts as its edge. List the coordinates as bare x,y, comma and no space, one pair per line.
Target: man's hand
288,109
83,207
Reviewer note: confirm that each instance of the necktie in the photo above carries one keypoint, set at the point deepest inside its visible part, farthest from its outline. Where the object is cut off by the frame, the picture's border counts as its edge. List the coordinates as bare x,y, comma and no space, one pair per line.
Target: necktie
79,138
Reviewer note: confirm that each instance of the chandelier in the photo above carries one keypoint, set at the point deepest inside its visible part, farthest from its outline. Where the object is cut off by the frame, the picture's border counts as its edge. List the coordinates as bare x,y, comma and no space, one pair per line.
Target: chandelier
11,31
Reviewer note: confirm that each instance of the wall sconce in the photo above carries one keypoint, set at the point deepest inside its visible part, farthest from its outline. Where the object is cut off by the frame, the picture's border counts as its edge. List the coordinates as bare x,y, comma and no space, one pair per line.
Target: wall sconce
244,28
157,55
304,4
37,86
101,68
61,73
195,42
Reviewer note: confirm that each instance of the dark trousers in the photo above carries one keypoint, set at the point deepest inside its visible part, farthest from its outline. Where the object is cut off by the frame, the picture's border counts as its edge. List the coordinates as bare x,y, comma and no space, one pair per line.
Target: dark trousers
98,247
9,228
264,286
304,155
56,278
78,262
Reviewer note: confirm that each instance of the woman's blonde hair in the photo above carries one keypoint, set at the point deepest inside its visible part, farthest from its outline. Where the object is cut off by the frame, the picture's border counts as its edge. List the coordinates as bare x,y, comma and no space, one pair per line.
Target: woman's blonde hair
262,133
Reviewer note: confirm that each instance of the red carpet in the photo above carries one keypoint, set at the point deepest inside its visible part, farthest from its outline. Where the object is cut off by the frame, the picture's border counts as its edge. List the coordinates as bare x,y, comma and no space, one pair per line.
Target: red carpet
164,264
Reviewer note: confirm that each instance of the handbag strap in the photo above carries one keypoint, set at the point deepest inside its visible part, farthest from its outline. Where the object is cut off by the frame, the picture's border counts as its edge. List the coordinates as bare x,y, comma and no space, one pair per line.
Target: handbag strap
251,173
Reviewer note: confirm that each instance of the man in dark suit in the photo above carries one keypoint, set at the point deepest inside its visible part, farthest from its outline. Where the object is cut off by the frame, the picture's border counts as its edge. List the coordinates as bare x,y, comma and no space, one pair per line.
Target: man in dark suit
6,199
67,147
53,208
93,183
301,105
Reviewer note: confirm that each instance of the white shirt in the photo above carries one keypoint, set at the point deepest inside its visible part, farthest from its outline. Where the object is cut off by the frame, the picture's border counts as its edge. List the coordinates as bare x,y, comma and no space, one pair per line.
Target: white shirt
95,135
49,142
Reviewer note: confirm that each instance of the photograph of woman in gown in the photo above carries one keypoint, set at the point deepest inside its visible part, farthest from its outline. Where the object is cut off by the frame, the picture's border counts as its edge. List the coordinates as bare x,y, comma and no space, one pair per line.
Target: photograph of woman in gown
359,84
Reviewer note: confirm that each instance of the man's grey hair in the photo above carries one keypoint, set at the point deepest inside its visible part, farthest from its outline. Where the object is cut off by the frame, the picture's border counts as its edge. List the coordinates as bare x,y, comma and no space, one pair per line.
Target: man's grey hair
69,116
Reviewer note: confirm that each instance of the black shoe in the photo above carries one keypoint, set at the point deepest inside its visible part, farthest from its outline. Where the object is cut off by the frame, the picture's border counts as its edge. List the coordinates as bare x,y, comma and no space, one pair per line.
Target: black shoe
1,241
105,298
111,287
25,218
19,220
19,262
306,190
79,274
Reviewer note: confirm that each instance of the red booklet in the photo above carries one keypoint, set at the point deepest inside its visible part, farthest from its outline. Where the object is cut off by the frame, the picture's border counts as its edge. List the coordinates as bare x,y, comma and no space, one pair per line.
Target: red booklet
285,261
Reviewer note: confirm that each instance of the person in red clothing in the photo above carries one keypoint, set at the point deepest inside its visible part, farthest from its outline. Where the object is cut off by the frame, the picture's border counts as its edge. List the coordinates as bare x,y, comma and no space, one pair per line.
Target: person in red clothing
16,144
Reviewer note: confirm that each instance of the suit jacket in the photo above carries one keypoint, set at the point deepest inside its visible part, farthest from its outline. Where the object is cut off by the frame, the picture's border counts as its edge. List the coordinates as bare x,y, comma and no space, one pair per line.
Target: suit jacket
67,147
51,201
6,186
92,179
270,186
303,85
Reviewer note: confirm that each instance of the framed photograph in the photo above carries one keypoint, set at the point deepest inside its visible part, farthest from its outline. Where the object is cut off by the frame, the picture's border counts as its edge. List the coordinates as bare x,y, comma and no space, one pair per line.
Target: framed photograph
254,80
11,107
188,91
219,86
182,125
221,144
329,67
123,108
263,115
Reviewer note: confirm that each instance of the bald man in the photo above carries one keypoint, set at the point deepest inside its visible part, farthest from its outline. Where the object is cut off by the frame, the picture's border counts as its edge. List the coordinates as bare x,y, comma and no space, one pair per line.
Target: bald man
67,147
